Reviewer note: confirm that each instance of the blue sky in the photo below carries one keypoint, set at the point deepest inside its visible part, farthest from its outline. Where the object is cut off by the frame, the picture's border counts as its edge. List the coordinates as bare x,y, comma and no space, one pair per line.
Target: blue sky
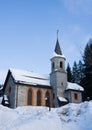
28,32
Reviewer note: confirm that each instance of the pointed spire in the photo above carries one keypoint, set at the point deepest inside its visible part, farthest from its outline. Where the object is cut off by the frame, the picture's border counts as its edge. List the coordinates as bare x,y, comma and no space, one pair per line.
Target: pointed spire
57,48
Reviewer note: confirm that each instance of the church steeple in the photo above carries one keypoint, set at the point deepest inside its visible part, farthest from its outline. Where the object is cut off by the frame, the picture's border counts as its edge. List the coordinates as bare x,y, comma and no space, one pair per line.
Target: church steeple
58,75
57,48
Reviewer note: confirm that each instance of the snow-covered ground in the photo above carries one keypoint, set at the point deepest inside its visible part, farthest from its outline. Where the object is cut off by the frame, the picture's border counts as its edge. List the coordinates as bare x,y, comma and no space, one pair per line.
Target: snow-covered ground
68,117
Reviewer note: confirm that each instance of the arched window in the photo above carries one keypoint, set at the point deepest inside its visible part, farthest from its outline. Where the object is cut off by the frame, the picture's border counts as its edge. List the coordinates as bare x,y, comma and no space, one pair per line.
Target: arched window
53,95
29,97
75,96
38,98
61,64
53,65
9,89
47,99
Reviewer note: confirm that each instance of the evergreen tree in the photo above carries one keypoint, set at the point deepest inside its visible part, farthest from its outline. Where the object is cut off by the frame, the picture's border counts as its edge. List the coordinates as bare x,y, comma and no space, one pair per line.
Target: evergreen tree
80,72
75,73
87,80
69,73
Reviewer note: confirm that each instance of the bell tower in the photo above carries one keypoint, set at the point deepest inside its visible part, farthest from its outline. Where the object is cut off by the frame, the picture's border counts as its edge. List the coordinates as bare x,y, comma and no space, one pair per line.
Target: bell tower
58,75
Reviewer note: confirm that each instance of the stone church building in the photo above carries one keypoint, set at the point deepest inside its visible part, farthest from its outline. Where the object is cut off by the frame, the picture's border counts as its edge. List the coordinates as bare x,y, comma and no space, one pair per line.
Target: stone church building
28,88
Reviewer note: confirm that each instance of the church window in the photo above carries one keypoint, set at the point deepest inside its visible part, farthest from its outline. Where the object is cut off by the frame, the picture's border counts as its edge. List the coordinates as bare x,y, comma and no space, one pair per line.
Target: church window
38,98
61,65
53,65
53,95
75,96
29,97
47,99
9,89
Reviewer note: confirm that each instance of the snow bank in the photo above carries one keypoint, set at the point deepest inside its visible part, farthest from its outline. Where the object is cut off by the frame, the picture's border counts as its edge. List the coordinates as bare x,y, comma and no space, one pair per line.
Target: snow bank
68,117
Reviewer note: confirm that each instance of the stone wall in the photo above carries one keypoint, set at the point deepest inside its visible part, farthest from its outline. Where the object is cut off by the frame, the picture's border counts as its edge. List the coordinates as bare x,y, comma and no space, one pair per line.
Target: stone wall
70,96
23,95
79,100
10,91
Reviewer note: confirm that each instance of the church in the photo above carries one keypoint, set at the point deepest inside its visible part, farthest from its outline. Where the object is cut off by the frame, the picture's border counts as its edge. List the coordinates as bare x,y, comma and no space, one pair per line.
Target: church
25,88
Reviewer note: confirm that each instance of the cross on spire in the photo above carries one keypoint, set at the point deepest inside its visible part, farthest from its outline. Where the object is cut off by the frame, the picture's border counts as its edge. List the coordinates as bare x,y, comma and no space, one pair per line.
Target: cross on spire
57,47
57,33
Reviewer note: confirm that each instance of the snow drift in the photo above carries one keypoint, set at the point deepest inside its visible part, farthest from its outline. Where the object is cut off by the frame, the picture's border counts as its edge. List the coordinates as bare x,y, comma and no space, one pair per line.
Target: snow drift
68,117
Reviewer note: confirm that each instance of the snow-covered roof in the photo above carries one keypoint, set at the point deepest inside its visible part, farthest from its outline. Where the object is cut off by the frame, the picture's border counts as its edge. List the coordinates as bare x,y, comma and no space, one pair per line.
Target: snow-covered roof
28,77
1,87
62,99
57,55
74,86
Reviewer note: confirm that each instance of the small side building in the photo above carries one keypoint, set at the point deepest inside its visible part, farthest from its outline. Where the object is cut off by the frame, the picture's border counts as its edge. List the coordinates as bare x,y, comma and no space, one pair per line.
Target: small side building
74,92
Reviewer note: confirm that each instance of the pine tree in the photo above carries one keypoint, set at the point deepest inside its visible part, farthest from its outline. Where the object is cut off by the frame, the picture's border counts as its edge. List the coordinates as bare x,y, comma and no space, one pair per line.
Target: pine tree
69,73
88,54
87,80
80,72
75,73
